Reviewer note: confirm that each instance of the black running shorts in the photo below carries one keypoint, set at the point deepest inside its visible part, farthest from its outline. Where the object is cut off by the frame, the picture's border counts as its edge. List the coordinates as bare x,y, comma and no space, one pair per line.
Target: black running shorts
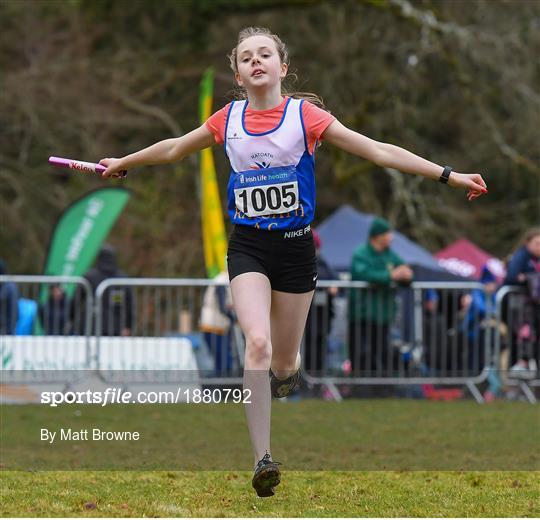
286,257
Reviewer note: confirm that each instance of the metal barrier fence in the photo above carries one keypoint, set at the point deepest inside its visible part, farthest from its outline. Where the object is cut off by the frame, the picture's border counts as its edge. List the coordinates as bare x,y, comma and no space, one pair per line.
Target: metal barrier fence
355,335
44,328
156,333
428,333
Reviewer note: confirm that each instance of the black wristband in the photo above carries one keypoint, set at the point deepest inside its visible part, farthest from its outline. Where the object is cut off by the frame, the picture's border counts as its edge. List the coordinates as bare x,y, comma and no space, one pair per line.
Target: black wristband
445,174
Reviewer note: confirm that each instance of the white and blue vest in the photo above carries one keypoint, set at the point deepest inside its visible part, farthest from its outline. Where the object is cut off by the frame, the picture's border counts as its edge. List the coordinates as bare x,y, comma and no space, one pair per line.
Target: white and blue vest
272,181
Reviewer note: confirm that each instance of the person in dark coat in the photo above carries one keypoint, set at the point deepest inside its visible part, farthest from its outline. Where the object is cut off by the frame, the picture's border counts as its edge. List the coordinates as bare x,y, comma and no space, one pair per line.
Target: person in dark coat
54,313
524,269
118,302
9,298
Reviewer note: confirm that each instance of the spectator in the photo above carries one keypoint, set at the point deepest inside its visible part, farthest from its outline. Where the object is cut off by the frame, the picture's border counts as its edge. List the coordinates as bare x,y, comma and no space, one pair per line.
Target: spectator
9,298
444,334
524,269
117,302
216,322
483,310
435,333
525,260
479,316
320,316
54,314
372,312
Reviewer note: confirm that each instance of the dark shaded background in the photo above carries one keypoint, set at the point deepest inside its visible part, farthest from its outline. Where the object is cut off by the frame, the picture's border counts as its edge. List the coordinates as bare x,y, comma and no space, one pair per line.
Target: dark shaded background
455,81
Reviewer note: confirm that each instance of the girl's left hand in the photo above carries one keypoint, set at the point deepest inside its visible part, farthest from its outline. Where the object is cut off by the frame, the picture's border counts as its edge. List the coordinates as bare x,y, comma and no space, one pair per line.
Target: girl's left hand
473,182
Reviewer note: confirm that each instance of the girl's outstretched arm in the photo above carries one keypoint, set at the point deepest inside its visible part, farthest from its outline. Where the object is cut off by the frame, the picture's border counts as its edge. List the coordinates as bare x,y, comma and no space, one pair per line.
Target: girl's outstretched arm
390,156
167,151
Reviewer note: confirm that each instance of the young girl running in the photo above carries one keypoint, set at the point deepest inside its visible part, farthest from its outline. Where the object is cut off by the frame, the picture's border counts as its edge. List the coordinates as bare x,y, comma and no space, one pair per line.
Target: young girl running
270,140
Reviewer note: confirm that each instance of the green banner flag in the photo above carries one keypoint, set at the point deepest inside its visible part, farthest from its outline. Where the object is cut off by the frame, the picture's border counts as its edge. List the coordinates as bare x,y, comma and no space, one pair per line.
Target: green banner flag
79,233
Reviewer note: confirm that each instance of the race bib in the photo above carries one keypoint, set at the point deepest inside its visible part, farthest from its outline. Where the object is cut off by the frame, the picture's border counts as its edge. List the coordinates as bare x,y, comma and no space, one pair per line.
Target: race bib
267,191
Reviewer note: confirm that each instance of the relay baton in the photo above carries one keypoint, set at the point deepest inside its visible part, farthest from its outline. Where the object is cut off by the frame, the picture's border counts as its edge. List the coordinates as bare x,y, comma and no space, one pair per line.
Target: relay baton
82,166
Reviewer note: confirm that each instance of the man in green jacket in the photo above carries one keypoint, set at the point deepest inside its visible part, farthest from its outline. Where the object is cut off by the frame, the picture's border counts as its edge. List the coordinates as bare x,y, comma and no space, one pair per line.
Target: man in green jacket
372,311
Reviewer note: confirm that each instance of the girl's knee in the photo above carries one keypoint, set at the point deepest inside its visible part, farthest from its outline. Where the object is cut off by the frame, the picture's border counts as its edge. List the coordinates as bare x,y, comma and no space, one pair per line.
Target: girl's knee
258,347
286,363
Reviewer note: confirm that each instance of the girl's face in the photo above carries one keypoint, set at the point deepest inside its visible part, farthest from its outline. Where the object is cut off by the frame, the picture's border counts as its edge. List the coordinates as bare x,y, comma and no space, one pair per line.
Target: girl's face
533,245
258,63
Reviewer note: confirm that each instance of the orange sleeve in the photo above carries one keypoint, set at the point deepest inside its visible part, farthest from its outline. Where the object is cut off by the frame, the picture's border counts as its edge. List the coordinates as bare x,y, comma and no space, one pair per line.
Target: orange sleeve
216,123
316,121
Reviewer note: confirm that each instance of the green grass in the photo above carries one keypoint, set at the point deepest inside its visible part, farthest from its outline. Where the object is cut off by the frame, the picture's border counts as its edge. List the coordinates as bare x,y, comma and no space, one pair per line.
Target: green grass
311,494
387,458
357,435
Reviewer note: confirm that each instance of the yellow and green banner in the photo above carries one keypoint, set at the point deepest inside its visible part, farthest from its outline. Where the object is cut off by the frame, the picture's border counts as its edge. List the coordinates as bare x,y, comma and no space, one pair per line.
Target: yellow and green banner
213,226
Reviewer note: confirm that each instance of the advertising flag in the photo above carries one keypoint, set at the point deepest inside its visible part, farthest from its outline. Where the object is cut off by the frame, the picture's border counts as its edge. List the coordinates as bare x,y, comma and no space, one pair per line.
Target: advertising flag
213,226
79,233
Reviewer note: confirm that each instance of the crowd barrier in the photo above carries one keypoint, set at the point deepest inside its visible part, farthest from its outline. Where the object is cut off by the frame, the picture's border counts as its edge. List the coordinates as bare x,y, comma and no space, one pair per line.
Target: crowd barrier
165,312
47,309
355,335
419,335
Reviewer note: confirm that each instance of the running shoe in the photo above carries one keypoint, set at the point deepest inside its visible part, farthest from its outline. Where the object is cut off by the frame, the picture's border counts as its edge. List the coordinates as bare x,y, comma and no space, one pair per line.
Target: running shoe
283,387
266,476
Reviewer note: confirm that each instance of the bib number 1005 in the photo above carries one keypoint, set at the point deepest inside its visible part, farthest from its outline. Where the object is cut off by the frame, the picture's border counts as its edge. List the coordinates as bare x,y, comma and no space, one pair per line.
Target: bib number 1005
257,201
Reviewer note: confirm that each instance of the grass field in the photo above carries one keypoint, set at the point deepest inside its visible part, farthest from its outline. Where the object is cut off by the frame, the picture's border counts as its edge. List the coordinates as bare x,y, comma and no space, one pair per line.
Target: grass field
439,459
313,494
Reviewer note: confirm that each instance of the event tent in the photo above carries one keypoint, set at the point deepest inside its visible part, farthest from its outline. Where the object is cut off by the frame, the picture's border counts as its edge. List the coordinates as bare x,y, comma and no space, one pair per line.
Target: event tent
466,259
347,229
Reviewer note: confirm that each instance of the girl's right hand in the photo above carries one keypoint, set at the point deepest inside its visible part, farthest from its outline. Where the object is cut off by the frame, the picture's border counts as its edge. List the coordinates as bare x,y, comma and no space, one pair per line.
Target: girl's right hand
114,166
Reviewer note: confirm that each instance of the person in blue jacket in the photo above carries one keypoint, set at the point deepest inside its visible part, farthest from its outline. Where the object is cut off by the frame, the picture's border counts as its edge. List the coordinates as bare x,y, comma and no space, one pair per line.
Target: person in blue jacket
479,315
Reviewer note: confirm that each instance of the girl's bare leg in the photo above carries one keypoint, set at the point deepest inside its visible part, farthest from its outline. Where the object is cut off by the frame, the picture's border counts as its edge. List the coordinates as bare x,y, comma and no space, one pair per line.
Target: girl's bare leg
251,293
288,317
